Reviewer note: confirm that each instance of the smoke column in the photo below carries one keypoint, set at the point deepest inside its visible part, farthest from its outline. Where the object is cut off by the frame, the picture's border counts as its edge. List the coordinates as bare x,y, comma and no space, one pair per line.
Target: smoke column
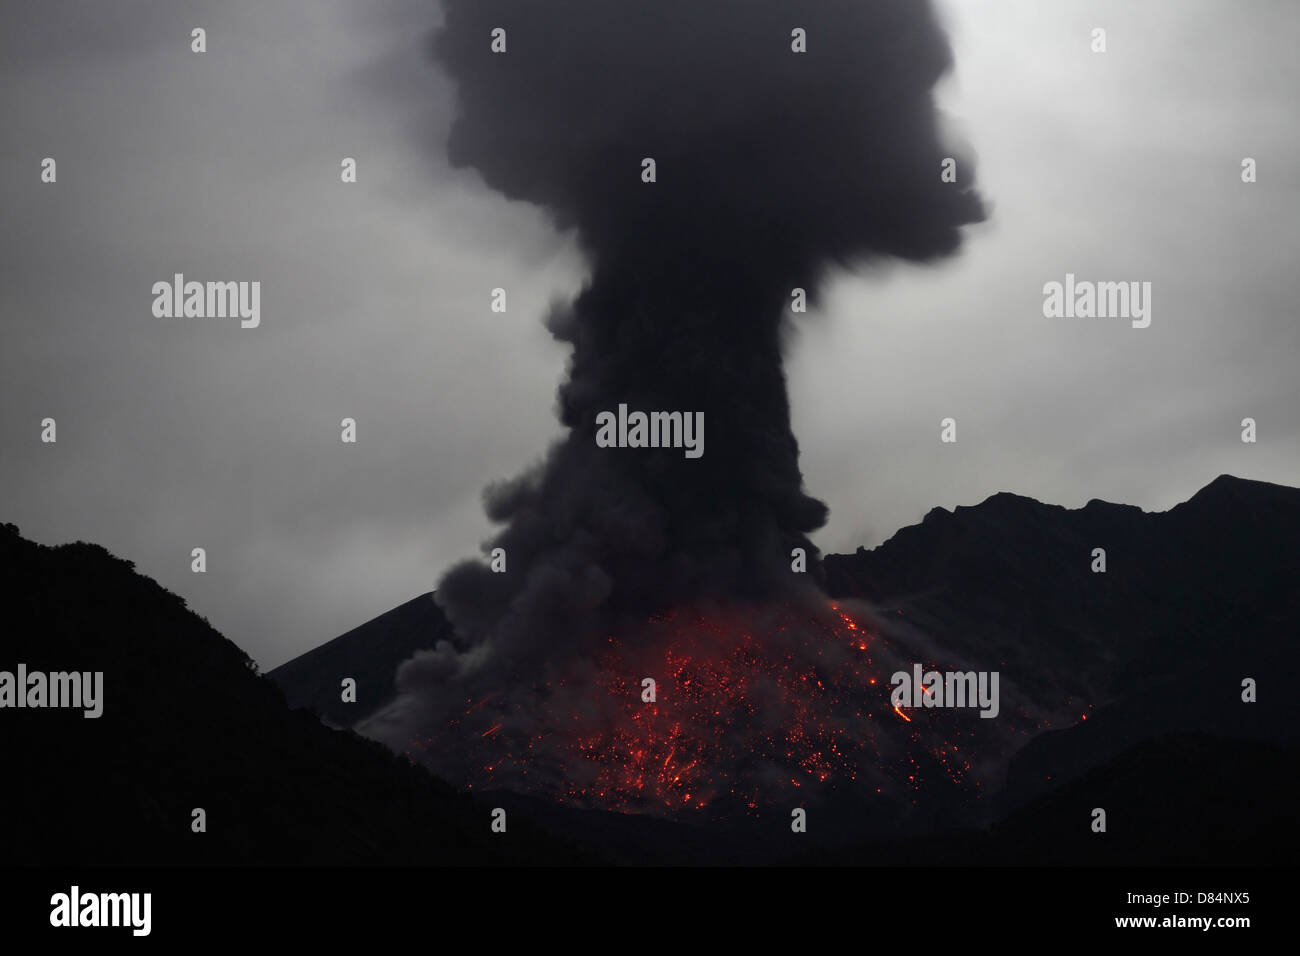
771,166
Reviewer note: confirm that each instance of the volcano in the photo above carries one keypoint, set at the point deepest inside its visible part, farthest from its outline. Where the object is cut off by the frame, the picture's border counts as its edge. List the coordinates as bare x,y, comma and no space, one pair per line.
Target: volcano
637,550
732,709
773,704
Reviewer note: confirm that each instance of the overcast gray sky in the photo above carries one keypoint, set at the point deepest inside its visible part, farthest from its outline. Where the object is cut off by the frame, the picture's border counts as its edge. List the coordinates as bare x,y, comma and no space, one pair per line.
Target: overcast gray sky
183,433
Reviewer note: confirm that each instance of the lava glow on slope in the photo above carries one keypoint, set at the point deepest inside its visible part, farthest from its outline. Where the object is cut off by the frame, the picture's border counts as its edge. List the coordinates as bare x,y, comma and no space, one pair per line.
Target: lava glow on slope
754,707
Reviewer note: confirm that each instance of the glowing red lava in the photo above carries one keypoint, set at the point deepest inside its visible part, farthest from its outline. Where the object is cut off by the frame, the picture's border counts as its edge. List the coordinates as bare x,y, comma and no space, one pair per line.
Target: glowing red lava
750,705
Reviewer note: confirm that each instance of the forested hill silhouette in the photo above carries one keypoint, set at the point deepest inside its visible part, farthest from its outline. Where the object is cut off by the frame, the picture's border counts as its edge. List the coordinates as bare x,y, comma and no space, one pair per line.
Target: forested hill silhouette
188,723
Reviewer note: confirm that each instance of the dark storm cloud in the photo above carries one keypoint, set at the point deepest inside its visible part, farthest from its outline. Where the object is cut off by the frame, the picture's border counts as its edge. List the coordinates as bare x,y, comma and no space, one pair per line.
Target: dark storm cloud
771,166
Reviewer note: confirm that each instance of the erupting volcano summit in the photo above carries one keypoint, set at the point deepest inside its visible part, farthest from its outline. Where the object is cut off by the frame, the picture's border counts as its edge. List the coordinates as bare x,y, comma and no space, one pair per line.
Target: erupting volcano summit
714,159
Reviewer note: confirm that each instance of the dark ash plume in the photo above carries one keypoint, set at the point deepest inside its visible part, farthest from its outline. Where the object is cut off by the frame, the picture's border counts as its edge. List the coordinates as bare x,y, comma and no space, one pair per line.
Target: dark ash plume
771,166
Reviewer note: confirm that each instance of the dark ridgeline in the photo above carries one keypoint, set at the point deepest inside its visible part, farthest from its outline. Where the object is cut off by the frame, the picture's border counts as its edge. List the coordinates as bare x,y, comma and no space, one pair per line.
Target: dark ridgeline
369,654
188,723
772,166
1194,600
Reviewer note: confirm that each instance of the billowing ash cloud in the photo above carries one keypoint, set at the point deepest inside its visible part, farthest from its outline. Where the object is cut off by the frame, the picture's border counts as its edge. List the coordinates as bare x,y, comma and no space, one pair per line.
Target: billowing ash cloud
771,165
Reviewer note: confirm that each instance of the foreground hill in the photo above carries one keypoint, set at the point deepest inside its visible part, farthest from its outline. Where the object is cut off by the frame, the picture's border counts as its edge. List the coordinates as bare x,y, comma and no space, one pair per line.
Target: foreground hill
187,723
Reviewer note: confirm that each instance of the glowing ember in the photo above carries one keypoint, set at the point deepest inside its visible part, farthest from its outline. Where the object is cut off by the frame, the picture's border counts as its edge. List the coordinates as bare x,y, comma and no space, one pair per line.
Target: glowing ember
750,705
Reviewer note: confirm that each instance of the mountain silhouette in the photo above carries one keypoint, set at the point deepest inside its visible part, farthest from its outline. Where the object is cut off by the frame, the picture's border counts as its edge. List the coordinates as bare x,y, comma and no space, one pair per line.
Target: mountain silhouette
1208,584
1194,600
368,654
1153,651
188,723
